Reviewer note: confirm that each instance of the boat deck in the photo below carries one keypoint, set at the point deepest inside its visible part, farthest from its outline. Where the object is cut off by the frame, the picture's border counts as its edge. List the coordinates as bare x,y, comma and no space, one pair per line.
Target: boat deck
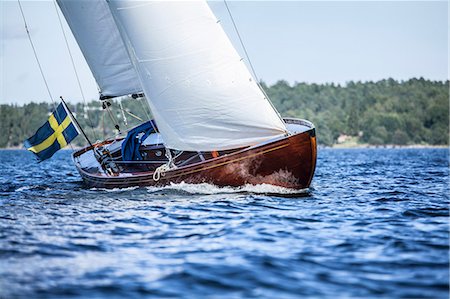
153,153
287,161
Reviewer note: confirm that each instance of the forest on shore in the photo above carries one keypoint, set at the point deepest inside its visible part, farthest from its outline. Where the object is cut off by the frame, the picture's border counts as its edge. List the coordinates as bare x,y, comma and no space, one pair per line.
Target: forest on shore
386,112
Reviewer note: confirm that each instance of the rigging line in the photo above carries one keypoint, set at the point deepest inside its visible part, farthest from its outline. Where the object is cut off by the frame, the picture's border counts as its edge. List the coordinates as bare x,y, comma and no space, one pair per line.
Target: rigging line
125,121
74,67
103,126
133,115
139,98
106,105
39,63
241,41
144,108
250,62
35,54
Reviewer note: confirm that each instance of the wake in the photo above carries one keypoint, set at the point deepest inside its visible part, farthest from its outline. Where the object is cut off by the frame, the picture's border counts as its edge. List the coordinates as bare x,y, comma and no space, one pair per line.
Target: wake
210,189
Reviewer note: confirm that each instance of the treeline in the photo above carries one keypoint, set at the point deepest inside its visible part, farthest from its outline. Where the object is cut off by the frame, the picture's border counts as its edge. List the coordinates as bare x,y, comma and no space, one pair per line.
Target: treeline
97,121
377,113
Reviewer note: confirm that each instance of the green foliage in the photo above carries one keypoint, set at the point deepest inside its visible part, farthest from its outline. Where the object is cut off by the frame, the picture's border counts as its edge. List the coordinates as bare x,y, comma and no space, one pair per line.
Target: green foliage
20,122
384,112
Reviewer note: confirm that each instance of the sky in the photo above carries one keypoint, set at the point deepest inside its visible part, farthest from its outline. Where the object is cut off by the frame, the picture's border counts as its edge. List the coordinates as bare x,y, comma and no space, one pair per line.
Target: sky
296,41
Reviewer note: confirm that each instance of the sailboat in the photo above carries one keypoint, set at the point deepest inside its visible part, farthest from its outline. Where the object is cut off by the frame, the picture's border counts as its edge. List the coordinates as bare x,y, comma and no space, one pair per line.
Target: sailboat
212,122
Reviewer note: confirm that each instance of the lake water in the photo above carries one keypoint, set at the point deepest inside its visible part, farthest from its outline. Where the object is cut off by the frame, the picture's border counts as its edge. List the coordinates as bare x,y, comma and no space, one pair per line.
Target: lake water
374,224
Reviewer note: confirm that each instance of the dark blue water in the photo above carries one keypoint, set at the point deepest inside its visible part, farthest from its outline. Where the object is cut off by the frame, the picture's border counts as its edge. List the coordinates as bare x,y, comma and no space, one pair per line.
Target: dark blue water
375,224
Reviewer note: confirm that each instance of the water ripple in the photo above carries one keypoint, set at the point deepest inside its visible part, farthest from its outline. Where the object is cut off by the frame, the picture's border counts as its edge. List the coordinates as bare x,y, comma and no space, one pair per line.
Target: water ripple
374,224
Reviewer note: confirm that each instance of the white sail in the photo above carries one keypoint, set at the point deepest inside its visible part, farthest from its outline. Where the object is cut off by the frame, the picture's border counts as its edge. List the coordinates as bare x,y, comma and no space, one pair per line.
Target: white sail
201,93
96,32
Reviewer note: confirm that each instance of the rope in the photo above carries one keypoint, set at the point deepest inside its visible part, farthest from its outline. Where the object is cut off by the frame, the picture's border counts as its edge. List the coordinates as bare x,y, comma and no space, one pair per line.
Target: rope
74,67
146,112
133,115
250,62
161,170
124,110
105,106
35,54
103,126
241,41
39,64
125,121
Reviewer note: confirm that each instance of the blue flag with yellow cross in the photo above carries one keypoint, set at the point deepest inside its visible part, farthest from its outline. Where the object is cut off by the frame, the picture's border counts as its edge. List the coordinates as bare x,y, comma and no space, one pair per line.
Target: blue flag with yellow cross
55,134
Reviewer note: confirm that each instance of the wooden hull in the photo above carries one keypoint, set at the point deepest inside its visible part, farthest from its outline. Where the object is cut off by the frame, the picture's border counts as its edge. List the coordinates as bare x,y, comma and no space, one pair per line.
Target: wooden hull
289,162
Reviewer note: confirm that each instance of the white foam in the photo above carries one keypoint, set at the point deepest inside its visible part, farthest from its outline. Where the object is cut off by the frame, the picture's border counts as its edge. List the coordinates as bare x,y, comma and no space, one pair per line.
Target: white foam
205,188
115,189
24,188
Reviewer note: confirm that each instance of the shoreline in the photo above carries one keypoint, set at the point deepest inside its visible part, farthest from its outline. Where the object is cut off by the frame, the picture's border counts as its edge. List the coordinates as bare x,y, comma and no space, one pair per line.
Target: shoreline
386,146
334,146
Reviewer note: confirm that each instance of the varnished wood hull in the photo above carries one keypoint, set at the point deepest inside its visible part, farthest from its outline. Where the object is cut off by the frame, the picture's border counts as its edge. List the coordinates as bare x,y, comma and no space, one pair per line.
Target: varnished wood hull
289,162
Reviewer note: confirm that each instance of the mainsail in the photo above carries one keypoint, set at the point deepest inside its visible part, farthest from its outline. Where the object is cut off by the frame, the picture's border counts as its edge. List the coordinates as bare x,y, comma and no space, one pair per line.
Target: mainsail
94,29
200,92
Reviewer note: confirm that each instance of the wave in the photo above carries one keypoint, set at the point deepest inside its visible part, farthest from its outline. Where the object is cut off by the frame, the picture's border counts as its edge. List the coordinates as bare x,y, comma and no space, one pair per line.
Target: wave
208,189
115,189
33,188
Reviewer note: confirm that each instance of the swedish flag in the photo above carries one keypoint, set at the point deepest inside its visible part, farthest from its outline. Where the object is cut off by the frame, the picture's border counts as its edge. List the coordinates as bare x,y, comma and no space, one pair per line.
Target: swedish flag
55,134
